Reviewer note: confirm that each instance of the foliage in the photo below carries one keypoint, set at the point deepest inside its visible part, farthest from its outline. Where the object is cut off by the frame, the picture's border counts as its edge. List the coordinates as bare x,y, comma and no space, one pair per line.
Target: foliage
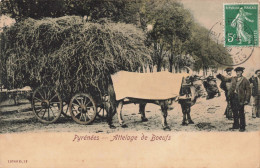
169,33
177,36
120,10
21,9
174,33
204,50
73,54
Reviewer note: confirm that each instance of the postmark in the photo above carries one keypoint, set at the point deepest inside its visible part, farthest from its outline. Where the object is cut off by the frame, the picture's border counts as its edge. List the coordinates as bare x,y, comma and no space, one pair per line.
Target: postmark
235,55
241,25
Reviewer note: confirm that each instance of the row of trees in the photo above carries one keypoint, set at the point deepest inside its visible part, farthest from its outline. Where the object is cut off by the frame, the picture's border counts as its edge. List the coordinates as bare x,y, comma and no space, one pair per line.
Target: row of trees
176,39
120,10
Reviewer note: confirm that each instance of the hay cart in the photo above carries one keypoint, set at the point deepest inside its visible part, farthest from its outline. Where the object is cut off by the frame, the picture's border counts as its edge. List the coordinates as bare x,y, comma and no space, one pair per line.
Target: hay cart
68,49
83,108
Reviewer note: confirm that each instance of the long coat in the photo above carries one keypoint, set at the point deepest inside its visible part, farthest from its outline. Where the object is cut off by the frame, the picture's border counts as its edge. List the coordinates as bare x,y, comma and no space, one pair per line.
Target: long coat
254,81
244,90
225,83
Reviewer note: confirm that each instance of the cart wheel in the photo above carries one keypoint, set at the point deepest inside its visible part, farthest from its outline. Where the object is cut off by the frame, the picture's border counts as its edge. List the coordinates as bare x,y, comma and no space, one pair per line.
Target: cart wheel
101,112
65,110
46,104
82,108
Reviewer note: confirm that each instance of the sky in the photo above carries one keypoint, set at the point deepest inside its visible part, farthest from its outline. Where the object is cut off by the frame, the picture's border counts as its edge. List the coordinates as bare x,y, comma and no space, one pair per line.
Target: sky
208,12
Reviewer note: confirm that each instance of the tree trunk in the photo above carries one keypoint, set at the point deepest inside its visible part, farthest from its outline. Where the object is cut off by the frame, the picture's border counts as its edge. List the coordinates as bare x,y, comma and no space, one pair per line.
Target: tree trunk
159,55
145,68
151,68
205,71
171,62
159,65
177,68
164,67
141,69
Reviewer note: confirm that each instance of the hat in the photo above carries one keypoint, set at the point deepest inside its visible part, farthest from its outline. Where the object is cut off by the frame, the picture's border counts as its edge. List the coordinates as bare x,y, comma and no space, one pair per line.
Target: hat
257,71
239,69
228,69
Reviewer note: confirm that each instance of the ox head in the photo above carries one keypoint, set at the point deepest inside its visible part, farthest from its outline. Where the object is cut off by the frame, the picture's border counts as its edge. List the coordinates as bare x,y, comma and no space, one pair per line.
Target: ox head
211,87
196,85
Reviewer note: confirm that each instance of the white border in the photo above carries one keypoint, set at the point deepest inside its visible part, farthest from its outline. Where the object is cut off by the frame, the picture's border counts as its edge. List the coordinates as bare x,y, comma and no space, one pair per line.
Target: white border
224,30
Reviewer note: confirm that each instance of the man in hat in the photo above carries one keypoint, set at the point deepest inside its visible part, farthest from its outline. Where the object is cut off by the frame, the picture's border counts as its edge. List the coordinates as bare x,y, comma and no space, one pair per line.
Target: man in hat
239,94
226,85
256,93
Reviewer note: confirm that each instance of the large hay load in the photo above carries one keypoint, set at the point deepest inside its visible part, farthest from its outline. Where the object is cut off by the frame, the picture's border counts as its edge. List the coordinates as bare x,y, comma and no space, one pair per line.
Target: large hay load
70,54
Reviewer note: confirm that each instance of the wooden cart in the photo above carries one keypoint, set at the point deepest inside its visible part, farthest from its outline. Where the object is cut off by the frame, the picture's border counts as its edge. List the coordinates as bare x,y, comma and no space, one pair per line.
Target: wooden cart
48,106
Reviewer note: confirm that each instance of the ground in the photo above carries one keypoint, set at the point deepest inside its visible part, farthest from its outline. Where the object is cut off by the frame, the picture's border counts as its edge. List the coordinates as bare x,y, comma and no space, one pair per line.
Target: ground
208,115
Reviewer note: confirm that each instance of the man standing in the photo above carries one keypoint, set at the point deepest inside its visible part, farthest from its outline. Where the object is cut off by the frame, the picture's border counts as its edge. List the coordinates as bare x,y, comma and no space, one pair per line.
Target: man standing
226,85
256,93
239,94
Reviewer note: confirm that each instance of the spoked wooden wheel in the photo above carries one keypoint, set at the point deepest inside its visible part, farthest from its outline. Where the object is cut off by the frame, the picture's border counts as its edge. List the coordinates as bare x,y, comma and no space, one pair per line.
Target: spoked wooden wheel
46,104
101,112
82,108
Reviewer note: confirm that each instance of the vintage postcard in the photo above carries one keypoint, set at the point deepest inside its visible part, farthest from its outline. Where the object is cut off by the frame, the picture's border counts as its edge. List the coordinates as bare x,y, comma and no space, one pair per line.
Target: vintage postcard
130,83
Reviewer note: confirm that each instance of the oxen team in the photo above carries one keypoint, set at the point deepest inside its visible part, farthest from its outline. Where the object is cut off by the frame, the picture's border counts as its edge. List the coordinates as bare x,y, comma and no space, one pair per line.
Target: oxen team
192,87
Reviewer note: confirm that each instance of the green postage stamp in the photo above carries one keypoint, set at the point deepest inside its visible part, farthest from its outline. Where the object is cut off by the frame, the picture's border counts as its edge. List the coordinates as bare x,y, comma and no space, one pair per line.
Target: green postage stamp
241,25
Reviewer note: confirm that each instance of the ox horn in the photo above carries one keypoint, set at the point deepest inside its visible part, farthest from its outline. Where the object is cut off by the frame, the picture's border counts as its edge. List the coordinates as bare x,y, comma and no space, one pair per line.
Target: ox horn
189,69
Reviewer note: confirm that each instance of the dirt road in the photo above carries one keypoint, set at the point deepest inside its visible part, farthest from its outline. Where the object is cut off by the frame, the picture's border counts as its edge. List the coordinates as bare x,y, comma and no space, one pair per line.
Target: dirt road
208,115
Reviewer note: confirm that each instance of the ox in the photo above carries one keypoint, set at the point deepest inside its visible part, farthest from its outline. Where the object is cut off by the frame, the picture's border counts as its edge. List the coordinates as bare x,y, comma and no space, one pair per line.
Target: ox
211,87
188,91
209,84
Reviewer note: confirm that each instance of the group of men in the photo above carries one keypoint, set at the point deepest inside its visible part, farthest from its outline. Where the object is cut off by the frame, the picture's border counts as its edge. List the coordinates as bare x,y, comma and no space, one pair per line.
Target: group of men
238,91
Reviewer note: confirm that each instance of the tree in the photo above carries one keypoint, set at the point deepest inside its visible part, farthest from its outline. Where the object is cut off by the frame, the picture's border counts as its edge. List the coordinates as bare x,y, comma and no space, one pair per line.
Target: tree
204,50
169,33
117,11
172,32
21,9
